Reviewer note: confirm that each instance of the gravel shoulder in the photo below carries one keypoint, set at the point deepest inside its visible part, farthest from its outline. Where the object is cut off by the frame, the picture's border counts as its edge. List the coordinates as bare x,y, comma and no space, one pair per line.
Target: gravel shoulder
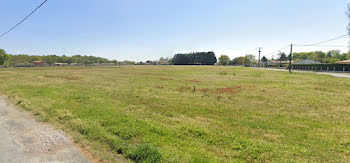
22,139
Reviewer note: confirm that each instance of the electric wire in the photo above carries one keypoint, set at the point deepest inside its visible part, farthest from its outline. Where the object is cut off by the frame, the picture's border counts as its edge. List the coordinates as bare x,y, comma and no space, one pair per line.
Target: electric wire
19,23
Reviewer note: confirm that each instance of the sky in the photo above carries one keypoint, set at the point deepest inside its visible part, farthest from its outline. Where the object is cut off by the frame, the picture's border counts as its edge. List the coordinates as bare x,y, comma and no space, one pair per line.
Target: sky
141,30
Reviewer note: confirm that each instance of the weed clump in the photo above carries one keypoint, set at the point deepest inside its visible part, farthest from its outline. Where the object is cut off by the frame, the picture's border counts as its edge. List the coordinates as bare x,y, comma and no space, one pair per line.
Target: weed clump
145,153
223,73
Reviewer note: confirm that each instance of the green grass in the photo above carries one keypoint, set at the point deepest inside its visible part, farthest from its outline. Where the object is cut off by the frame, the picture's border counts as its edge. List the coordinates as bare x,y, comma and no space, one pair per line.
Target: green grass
190,113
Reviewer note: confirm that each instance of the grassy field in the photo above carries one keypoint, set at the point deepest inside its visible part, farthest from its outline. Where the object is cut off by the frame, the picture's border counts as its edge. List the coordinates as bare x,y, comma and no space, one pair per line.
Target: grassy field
190,113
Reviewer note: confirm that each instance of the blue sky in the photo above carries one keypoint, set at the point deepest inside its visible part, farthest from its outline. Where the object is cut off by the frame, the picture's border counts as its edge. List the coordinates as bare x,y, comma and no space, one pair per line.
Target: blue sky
140,30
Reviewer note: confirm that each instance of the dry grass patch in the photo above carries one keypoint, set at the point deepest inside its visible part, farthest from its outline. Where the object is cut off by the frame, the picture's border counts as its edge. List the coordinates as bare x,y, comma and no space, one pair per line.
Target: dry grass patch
64,77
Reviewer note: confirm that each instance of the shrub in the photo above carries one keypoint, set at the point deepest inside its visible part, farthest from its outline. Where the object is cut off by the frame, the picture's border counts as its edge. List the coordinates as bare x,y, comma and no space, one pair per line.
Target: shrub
145,153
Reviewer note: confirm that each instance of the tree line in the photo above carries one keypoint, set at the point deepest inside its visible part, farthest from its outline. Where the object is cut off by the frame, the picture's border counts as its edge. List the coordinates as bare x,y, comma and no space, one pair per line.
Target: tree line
27,60
248,60
323,57
196,58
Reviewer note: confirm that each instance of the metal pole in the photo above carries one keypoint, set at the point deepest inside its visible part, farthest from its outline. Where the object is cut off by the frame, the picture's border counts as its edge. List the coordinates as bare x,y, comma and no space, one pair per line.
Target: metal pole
259,58
290,58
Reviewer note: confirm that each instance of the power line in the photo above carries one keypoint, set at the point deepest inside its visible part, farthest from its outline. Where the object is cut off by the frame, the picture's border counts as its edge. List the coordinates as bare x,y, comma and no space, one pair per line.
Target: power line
276,51
339,46
315,44
330,40
24,19
233,49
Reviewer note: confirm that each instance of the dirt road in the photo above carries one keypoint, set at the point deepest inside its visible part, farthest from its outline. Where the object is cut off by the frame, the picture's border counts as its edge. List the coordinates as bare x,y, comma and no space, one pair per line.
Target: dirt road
22,139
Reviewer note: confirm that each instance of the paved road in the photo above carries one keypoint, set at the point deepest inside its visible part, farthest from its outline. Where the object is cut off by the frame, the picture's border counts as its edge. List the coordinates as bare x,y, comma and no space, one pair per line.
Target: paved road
340,75
335,74
22,139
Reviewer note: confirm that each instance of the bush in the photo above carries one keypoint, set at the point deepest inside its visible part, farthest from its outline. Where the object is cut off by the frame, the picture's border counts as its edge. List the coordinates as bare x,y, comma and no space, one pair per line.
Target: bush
145,153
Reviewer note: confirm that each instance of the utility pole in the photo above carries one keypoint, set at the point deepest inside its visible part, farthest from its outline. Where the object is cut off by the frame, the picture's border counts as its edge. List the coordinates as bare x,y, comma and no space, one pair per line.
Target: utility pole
290,58
259,57
280,53
246,60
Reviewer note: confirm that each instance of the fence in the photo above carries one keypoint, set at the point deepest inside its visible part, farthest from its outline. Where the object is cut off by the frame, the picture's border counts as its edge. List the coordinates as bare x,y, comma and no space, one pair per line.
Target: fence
322,67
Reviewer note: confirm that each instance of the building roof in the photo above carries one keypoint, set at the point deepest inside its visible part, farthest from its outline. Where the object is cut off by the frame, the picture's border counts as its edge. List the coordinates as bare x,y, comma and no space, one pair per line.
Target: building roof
343,62
308,61
60,64
278,62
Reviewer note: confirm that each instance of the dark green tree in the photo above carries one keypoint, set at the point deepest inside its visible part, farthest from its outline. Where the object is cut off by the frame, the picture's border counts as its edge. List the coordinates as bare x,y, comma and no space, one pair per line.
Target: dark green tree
198,58
264,59
208,58
180,59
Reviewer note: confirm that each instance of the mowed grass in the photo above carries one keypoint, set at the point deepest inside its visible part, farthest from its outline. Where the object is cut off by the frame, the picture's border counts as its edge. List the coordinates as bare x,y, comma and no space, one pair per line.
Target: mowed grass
190,113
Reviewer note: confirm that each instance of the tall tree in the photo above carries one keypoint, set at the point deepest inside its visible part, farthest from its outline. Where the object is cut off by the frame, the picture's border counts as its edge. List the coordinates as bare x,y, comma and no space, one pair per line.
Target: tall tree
180,59
250,58
224,60
238,61
263,59
198,58
3,58
283,57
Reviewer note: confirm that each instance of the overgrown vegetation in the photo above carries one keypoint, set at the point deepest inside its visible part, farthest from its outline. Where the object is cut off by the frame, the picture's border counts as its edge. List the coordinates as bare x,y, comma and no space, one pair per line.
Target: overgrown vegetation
190,113
146,153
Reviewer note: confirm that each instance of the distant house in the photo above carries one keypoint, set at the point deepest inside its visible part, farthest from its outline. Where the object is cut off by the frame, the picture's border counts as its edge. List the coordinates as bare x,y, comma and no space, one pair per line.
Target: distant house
343,62
75,64
60,64
278,62
39,63
307,61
